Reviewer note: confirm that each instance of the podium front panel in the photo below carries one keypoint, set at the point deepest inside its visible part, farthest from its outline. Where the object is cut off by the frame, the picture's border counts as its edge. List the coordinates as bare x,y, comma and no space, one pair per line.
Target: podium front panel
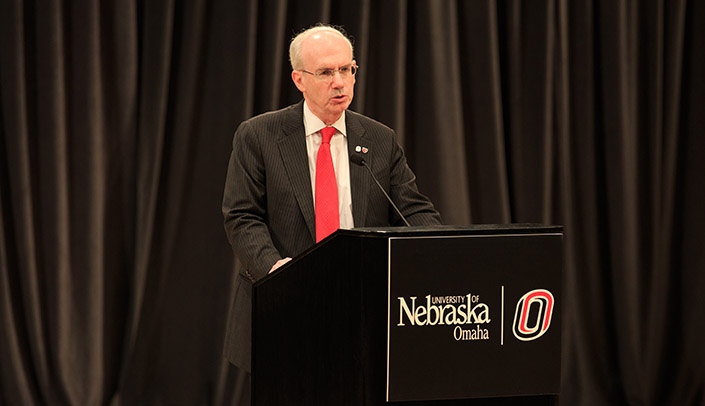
473,316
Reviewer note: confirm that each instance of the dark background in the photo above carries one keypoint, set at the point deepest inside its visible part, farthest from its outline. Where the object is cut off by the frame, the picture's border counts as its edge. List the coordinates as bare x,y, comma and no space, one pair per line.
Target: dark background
116,120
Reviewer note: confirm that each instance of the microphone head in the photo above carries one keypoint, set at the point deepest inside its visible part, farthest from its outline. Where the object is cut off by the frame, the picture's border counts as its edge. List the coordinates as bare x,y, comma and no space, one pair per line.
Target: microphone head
357,159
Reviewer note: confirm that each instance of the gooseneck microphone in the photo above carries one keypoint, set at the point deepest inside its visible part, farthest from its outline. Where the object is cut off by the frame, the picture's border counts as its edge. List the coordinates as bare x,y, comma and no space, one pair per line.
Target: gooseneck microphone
359,160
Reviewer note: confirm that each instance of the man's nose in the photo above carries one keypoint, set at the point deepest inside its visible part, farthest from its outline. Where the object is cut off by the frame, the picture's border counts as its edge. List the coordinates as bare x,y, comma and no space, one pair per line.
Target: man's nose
337,79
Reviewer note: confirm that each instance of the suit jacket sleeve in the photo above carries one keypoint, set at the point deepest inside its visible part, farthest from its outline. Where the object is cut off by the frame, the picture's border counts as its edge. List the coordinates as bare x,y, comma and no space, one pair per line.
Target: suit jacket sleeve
416,207
245,206
387,160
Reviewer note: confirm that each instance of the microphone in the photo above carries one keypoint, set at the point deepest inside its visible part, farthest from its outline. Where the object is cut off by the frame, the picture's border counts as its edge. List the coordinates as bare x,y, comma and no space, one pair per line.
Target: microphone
359,160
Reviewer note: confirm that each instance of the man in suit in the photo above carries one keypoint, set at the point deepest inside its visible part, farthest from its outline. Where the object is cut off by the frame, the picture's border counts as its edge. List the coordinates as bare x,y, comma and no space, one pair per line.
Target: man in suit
269,200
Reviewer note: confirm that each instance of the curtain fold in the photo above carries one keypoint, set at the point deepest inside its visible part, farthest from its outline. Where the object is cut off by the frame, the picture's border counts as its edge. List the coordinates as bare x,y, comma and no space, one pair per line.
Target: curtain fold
432,91
116,121
482,109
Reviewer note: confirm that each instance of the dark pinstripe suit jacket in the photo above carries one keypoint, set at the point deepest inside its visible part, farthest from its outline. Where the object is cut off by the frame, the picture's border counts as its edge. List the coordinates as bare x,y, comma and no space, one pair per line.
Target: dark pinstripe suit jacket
268,201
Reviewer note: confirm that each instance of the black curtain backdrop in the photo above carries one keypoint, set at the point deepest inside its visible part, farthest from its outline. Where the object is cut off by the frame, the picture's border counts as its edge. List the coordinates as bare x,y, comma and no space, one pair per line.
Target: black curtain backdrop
116,119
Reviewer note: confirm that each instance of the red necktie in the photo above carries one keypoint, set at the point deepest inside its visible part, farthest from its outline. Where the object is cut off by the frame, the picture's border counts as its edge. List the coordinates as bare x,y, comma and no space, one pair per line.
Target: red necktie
327,216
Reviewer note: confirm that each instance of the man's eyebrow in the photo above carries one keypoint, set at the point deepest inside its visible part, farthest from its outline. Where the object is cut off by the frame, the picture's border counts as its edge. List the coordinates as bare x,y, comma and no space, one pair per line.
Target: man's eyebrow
331,68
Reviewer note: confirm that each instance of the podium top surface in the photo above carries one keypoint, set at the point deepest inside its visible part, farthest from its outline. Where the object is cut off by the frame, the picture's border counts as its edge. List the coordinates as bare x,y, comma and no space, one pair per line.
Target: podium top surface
480,229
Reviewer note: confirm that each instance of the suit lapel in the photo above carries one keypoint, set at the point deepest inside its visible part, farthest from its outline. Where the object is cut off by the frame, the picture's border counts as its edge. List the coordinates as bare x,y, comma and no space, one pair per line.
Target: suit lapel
292,148
359,178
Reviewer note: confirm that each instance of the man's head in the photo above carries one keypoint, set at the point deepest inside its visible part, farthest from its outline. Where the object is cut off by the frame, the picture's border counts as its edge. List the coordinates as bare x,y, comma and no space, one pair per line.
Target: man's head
323,69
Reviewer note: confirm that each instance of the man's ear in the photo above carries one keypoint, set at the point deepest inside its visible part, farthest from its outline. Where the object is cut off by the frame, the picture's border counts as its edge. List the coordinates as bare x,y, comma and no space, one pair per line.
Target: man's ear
297,77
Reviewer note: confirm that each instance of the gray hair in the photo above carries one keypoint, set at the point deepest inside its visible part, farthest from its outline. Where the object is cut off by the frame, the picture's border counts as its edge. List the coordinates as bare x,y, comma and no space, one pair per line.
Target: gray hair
295,46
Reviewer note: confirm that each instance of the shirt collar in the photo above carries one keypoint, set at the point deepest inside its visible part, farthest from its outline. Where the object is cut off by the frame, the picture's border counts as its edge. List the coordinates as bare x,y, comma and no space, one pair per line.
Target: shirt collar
313,124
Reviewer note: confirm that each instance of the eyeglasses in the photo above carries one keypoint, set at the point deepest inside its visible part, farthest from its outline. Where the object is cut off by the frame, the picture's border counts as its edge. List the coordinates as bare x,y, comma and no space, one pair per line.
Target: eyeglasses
327,75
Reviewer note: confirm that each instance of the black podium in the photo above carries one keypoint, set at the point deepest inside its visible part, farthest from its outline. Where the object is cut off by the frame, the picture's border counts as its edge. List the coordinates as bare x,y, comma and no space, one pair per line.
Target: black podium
413,316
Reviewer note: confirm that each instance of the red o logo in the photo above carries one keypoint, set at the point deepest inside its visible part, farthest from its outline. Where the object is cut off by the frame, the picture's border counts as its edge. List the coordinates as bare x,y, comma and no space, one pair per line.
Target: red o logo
533,315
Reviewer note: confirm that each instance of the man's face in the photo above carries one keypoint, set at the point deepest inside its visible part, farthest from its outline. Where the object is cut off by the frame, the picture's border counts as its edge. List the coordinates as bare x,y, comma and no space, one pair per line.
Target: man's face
326,97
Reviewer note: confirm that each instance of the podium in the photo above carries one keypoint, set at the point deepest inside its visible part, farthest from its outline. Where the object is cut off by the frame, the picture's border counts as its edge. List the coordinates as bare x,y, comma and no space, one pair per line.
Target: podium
445,315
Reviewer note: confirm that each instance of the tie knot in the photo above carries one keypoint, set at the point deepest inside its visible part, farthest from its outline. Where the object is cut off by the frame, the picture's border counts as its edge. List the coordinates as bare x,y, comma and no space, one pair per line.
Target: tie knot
327,134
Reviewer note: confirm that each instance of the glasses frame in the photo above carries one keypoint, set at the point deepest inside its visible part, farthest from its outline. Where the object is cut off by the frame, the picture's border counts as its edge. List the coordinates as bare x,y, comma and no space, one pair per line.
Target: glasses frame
328,77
